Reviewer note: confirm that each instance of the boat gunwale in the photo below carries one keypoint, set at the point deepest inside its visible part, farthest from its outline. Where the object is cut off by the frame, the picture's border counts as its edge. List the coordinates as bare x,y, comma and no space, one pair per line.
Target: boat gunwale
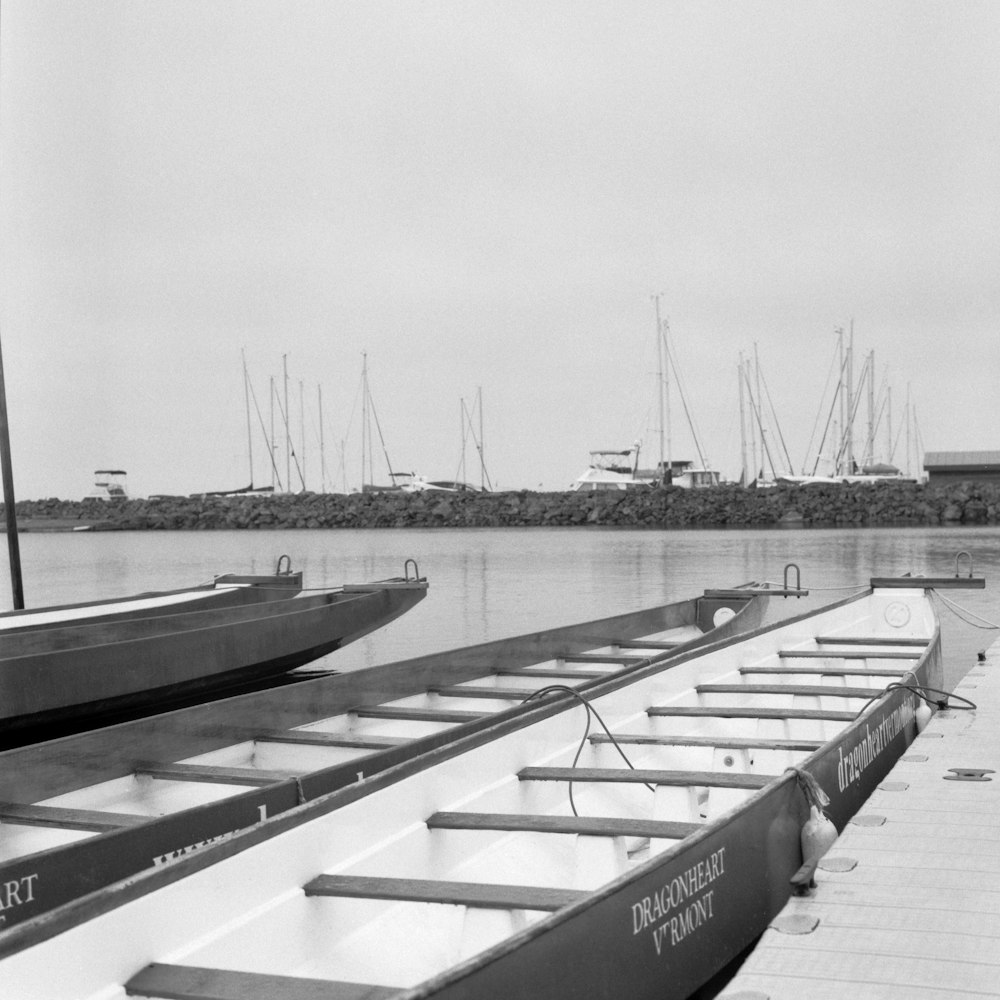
65,917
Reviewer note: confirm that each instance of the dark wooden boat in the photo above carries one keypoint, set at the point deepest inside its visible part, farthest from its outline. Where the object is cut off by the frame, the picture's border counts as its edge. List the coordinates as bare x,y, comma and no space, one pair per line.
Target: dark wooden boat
84,811
526,860
82,663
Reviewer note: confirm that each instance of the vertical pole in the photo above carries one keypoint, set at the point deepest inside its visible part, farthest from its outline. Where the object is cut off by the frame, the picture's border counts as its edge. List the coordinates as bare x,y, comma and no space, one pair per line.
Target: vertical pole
871,408
659,382
760,412
13,545
322,450
744,478
302,431
482,444
246,399
274,467
288,433
908,428
850,401
890,444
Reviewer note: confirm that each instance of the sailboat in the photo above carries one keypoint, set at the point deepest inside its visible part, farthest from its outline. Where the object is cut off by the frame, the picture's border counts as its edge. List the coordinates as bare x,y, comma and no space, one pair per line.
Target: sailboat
619,469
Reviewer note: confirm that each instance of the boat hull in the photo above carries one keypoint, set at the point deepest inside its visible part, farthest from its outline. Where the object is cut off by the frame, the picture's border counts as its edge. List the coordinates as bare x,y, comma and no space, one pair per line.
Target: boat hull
34,773
250,911
664,931
140,661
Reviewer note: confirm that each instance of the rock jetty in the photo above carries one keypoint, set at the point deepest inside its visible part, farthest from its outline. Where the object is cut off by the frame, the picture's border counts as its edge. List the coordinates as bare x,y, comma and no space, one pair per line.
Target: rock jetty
862,505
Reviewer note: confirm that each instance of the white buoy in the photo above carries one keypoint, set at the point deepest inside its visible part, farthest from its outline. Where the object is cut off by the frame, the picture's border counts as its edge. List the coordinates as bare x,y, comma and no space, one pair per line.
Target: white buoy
818,834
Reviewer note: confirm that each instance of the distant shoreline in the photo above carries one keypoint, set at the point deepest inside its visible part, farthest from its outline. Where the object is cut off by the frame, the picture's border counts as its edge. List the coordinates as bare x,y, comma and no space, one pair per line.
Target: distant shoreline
863,505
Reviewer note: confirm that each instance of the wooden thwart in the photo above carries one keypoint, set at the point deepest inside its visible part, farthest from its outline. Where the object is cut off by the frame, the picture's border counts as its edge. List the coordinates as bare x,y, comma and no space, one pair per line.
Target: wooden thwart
417,714
649,776
189,982
497,693
214,775
90,820
722,712
644,644
846,654
817,690
476,894
830,671
313,737
557,672
720,742
872,640
625,659
595,826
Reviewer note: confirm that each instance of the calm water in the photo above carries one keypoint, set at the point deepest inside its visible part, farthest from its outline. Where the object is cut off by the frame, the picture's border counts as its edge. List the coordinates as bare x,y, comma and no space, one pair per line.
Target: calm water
488,583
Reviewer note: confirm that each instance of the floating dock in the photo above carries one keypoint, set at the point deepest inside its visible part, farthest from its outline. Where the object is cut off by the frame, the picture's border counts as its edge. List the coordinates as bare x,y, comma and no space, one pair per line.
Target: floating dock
907,903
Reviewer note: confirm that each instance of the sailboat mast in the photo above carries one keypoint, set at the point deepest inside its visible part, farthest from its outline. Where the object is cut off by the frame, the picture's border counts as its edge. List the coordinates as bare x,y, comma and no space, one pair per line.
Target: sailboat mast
302,431
322,449
13,546
482,457
246,400
659,381
288,433
850,401
744,479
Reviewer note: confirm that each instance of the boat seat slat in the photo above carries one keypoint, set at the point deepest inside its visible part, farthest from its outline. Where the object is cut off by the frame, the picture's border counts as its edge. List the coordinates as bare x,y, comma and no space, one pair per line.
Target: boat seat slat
818,690
475,894
212,774
580,675
734,712
873,640
715,779
625,659
497,693
417,714
598,826
313,737
68,819
720,742
837,671
646,643
189,982
846,654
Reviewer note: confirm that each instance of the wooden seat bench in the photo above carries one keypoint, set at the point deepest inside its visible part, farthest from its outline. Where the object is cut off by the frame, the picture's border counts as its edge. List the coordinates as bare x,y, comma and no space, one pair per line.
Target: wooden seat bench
475,894
647,776
739,712
817,690
189,982
711,742
595,826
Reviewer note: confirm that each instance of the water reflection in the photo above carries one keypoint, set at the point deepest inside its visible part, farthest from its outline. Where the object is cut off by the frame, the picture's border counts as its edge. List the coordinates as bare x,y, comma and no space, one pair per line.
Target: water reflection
487,583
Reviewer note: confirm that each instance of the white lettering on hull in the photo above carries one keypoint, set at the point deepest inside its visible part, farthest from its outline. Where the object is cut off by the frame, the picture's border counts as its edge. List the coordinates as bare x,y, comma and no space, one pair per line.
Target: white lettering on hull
681,906
16,892
867,749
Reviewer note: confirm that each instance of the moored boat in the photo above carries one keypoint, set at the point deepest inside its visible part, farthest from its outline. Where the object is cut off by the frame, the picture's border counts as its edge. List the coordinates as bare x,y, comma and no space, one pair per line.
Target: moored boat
87,810
528,860
79,664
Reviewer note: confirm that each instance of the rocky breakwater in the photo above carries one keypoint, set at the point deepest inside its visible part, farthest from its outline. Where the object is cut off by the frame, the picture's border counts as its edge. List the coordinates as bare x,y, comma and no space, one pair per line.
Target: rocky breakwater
885,503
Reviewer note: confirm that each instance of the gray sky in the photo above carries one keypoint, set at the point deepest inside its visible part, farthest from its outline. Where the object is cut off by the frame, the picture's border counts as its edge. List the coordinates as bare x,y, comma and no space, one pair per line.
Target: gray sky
485,195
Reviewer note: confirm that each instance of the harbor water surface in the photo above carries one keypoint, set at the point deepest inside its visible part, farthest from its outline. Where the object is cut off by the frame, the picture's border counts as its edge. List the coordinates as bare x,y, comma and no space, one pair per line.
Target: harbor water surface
490,583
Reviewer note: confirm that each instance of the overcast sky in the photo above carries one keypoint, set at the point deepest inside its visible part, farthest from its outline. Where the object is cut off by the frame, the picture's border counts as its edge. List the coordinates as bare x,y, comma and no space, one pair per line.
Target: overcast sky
486,196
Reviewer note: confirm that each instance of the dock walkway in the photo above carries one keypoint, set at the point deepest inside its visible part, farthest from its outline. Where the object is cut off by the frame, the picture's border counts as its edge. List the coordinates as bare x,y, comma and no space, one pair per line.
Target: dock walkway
907,903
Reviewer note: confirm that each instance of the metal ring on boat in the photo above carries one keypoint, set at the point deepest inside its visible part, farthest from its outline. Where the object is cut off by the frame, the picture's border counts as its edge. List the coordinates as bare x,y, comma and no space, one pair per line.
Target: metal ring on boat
406,569
287,560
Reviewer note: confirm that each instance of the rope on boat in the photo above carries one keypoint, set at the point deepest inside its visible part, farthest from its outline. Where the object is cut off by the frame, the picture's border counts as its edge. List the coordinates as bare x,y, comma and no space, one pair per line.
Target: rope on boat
923,694
566,689
811,788
958,611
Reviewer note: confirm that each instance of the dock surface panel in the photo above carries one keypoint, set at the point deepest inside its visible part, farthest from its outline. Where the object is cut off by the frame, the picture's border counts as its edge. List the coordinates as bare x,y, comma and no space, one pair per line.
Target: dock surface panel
907,903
